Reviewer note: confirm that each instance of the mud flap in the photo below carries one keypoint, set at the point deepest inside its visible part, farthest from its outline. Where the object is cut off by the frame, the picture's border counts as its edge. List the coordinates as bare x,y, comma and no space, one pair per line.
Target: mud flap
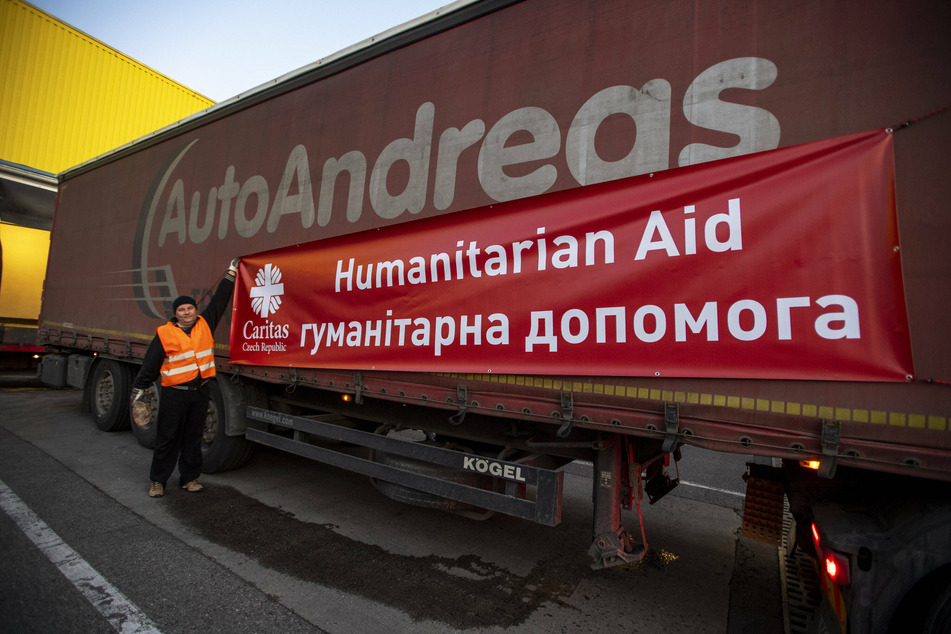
763,508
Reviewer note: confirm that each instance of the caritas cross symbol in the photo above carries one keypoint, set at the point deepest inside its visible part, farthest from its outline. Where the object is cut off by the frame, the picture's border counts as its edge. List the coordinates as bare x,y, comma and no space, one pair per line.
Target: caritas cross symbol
266,296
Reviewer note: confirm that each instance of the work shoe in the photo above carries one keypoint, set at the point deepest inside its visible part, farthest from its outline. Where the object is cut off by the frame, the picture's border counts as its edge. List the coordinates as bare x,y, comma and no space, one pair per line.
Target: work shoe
193,486
157,490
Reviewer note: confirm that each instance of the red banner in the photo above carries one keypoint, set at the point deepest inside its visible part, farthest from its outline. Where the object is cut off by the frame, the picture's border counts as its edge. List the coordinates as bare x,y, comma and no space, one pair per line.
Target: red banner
776,265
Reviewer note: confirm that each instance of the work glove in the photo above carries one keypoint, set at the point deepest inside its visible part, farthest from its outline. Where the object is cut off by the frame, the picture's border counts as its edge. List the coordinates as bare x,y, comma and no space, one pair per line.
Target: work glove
141,409
233,268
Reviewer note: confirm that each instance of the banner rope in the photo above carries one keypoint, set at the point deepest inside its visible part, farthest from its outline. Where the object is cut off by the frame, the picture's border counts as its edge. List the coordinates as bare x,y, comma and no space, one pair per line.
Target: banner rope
927,115
902,126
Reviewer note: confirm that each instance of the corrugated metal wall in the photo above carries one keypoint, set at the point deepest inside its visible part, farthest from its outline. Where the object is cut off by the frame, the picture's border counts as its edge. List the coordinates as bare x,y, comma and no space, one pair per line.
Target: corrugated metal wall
65,97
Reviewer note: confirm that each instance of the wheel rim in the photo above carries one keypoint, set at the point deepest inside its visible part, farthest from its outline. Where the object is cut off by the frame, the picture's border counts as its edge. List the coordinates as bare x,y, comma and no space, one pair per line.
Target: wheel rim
105,393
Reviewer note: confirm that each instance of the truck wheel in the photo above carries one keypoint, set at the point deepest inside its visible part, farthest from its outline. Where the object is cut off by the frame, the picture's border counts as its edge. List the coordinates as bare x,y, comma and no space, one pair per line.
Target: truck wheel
938,618
220,452
926,607
109,395
146,433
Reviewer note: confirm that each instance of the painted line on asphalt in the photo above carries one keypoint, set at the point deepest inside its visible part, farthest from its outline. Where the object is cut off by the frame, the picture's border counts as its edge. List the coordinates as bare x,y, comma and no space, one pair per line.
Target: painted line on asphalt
121,613
583,468
703,486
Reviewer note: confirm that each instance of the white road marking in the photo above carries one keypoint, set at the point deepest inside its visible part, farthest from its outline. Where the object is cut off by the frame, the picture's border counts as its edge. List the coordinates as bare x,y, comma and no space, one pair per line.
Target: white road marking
703,486
121,613
583,468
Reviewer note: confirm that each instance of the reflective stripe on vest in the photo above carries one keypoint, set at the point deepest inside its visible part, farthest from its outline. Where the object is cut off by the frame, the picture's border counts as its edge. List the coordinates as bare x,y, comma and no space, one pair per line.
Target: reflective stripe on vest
188,357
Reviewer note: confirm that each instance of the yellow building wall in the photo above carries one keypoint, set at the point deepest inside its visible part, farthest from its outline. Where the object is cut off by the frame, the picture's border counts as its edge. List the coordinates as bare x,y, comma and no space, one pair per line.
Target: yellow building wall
66,97
23,254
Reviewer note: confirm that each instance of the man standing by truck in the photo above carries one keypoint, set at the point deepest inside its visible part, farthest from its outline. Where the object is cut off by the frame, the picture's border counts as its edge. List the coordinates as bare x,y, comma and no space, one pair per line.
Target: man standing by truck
182,353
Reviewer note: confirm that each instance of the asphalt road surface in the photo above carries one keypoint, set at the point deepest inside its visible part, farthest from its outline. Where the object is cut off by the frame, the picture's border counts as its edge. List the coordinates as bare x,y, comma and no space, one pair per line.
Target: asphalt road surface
287,545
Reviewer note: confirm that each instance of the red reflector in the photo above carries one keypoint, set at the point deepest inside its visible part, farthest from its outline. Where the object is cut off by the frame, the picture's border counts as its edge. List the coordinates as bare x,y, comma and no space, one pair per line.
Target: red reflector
837,567
831,568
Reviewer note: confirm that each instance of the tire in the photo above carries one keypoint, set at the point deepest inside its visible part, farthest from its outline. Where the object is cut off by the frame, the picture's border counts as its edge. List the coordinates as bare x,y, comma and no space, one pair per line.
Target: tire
109,395
926,608
147,433
220,452
938,617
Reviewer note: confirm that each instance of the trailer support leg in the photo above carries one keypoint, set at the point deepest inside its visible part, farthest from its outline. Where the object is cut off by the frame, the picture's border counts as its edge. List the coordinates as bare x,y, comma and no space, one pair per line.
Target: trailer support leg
613,545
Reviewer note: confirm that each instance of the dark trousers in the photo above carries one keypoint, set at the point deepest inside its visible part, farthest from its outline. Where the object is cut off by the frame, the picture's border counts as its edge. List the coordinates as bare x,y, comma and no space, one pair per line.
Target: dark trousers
180,424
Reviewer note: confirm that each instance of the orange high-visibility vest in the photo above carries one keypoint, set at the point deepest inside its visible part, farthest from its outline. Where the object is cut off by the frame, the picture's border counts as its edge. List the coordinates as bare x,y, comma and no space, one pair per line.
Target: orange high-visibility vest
186,357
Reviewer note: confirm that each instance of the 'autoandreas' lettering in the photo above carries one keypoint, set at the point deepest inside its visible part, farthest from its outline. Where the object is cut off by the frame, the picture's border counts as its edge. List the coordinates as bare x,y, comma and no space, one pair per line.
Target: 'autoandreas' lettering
247,203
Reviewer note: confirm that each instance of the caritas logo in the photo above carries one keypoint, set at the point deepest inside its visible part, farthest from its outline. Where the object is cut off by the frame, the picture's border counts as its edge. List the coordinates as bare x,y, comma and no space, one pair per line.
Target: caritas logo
265,301
266,295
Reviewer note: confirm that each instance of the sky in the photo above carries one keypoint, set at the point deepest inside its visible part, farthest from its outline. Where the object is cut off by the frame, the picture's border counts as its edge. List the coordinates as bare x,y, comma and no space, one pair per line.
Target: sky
221,48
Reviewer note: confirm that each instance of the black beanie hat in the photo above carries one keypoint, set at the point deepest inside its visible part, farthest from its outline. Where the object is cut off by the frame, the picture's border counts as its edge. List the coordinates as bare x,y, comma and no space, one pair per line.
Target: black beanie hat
184,299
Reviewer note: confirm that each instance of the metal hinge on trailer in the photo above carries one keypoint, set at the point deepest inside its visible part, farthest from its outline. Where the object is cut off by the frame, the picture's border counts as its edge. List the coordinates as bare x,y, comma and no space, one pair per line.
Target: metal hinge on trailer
462,397
567,413
516,478
671,426
831,434
358,387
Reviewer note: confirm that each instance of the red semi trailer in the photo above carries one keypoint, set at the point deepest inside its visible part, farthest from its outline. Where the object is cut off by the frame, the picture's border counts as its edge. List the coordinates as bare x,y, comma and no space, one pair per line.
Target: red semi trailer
509,235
